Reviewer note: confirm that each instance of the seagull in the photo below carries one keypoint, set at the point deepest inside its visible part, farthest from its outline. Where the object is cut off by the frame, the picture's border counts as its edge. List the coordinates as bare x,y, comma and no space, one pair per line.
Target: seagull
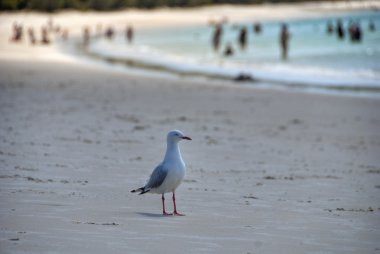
168,175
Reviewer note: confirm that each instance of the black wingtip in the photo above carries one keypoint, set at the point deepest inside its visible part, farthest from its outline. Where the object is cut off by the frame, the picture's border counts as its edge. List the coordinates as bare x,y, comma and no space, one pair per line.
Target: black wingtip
144,191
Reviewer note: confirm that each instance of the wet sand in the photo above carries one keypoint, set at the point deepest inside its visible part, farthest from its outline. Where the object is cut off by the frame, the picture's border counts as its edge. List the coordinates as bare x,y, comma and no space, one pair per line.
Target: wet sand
268,171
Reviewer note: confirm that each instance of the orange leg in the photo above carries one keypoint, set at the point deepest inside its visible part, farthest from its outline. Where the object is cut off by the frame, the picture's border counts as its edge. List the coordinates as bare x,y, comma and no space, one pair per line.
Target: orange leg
163,206
175,207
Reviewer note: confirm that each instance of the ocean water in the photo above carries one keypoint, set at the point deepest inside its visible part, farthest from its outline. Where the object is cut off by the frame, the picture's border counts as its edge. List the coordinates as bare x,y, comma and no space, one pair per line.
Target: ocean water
317,60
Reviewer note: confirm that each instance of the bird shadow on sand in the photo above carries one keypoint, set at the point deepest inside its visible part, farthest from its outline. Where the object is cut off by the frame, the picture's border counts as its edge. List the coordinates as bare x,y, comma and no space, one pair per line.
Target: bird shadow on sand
152,215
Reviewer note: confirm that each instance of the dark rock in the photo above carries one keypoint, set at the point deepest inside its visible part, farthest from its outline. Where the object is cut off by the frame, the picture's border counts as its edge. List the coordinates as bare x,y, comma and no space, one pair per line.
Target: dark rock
242,77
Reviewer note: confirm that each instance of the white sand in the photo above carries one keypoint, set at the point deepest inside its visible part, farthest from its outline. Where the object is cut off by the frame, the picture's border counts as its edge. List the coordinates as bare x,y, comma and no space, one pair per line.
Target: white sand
268,171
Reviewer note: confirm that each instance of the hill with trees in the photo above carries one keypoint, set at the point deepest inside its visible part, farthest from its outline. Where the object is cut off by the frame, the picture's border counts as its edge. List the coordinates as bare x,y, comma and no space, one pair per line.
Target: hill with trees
107,5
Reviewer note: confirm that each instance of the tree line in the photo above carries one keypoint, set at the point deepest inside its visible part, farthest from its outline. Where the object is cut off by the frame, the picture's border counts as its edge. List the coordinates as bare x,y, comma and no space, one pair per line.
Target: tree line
107,5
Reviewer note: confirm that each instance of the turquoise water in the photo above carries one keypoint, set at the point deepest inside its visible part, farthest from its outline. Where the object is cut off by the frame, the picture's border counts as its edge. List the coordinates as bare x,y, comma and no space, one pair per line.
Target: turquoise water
316,59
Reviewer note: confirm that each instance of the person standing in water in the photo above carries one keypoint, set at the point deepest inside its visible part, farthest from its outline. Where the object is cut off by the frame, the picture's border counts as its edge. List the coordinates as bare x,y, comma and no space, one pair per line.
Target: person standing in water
257,27
228,51
371,26
329,28
86,36
109,33
17,33
217,36
45,36
243,38
284,41
339,29
32,37
129,34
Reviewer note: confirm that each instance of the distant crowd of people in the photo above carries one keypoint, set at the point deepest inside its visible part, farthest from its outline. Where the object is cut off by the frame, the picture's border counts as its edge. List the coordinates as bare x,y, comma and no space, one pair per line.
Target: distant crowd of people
108,33
46,32
50,30
354,30
243,38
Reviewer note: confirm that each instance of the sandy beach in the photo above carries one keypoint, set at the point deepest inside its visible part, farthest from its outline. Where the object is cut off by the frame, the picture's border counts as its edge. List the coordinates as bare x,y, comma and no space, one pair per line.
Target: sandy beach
267,171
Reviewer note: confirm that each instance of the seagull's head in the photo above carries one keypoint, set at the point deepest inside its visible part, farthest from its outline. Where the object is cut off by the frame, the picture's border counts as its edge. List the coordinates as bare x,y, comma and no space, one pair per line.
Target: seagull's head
176,136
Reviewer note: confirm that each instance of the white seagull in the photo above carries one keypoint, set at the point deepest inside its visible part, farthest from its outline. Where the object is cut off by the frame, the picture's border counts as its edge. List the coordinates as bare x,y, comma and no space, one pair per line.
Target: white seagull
168,175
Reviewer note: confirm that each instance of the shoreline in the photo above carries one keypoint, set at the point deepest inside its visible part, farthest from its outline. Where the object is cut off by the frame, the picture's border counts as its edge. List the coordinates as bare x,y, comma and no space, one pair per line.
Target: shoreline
164,17
157,18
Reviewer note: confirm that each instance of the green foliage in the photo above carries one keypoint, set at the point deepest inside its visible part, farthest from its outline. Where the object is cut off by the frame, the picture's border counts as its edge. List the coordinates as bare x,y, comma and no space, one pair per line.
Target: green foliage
46,5
105,5
8,4
13,4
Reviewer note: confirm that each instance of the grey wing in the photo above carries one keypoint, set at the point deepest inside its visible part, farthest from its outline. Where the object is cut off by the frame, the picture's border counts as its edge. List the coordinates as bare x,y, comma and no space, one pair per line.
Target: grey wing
157,178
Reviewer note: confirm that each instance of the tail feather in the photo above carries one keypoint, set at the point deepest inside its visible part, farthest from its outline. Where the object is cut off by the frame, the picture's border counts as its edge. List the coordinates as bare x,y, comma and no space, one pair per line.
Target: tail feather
142,190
